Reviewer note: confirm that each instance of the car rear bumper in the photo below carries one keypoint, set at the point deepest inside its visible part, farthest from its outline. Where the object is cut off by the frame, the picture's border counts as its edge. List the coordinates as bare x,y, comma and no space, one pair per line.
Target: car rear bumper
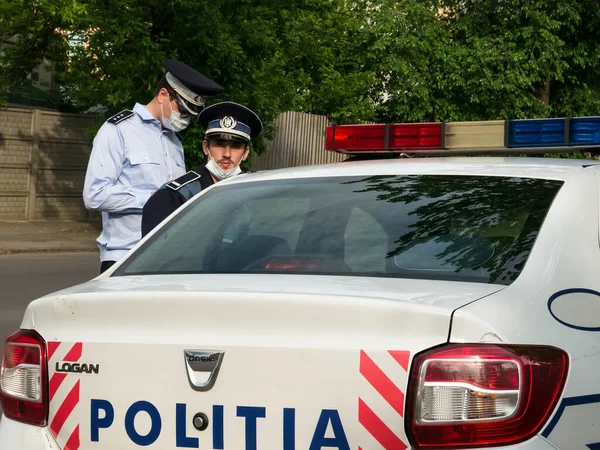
20,436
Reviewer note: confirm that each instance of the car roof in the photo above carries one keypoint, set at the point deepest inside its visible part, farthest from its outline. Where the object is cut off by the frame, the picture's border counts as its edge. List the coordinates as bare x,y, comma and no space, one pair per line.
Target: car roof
545,168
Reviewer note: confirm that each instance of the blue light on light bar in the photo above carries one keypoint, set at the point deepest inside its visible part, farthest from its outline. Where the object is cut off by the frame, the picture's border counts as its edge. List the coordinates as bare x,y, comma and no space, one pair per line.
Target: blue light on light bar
536,133
584,131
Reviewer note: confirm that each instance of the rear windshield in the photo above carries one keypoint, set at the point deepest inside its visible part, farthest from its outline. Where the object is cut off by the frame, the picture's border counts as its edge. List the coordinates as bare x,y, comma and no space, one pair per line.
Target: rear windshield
464,228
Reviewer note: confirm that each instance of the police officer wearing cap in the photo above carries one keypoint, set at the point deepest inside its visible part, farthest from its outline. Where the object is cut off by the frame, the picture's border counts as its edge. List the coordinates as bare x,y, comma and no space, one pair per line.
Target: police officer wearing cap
229,128
136,151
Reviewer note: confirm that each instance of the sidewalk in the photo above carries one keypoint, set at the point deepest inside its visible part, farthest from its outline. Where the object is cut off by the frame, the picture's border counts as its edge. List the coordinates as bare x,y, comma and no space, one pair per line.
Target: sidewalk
18,236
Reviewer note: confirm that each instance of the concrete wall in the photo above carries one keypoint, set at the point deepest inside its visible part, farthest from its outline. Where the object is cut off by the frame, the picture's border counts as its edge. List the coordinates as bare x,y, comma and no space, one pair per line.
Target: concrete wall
43,158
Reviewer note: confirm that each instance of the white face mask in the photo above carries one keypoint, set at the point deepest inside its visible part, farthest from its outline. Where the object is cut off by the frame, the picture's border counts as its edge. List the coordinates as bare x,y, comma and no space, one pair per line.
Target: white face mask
218,172
176,122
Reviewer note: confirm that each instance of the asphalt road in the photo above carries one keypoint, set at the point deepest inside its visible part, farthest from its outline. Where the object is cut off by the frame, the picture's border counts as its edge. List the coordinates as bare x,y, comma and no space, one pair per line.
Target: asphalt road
25,277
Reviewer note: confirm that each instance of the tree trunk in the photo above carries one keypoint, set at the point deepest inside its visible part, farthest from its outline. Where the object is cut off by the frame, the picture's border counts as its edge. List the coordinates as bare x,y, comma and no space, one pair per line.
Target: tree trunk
544,90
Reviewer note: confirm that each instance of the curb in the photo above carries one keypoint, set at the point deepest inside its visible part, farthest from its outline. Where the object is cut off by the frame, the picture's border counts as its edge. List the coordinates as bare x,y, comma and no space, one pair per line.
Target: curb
48,250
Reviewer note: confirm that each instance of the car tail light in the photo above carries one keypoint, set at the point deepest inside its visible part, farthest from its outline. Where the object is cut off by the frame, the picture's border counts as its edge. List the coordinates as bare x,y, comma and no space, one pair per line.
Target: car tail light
482,395
24,379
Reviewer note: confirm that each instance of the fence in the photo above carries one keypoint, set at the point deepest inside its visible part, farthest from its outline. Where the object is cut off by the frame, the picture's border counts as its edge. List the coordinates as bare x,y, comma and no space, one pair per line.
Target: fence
299,141
43,158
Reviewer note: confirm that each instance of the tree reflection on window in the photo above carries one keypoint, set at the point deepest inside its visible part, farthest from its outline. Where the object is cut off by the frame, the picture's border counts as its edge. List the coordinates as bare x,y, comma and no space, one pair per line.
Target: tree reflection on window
465,224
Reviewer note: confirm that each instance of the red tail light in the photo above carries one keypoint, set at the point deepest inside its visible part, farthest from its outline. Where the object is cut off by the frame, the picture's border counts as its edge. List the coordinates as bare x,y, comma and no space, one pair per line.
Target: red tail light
24,378
482,395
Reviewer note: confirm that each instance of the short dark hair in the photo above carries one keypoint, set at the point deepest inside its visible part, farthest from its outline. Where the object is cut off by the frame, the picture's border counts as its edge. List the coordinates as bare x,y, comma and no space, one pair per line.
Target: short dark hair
163,83
210,140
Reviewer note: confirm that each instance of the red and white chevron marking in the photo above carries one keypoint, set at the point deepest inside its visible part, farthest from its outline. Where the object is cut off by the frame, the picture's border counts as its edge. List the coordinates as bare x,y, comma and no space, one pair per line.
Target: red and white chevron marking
381,400
64,395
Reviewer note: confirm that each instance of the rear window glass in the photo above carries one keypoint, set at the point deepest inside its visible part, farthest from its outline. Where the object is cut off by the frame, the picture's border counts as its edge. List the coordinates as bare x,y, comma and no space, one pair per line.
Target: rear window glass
466,228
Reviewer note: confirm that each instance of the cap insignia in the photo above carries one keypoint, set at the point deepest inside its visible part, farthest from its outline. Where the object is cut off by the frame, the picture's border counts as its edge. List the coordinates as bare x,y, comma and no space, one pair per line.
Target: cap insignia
228,122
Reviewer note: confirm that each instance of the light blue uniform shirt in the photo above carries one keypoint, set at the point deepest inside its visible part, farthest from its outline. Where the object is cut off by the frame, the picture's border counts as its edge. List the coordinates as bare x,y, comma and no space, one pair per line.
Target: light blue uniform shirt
129,161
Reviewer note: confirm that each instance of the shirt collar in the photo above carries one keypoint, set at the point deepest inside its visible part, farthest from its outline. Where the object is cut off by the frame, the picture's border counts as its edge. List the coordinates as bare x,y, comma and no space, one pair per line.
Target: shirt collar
144,113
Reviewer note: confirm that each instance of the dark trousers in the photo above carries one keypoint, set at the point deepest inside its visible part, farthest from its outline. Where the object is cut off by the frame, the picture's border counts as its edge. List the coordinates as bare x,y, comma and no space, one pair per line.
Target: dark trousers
106,265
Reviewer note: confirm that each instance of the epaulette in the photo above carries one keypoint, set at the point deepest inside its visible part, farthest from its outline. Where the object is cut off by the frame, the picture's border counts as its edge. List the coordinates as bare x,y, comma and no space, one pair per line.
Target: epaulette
120,117
180,182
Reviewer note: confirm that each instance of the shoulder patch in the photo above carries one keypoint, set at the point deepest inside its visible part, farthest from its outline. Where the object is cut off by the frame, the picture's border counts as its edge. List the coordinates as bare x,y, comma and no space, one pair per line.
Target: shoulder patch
178,183
120,117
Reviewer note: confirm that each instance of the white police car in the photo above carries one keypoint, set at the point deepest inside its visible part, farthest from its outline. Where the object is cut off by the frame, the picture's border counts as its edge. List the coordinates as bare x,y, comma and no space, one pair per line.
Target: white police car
422,303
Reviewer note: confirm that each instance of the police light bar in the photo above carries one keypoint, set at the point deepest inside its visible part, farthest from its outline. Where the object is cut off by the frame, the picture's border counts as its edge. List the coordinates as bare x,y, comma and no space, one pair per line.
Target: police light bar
554,135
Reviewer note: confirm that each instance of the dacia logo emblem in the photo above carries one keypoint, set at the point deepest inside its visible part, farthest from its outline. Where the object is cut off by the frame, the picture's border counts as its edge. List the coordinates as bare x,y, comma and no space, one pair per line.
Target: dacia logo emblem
202,367
228,122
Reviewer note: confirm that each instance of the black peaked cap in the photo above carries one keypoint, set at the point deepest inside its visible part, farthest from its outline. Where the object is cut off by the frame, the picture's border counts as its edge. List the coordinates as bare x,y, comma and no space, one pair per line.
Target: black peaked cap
238,112
192,79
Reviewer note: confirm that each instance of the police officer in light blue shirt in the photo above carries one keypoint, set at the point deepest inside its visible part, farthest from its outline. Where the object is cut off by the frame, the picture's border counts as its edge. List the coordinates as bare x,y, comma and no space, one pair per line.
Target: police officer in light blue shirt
136,152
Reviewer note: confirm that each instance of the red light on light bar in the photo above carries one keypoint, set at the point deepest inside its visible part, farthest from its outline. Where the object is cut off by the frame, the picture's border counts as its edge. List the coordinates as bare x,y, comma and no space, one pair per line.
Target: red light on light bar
384,138
422,136
356,137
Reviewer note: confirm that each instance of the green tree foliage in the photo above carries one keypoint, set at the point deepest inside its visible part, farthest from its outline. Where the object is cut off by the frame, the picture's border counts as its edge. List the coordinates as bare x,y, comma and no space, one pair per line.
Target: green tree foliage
271,56
526,58
35,30
453,60
353,60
